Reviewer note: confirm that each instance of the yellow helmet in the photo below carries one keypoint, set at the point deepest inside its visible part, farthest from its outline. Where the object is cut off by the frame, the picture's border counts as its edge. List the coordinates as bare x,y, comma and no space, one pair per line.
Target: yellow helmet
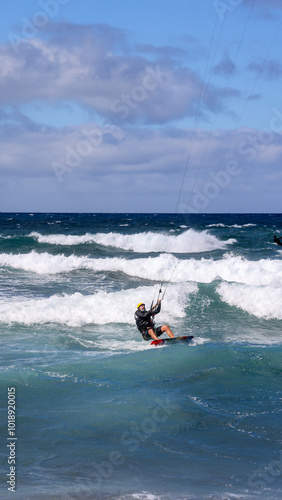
140,304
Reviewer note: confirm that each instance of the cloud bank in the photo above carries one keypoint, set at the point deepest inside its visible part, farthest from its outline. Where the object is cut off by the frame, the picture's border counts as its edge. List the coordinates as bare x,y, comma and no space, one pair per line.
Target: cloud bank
133,143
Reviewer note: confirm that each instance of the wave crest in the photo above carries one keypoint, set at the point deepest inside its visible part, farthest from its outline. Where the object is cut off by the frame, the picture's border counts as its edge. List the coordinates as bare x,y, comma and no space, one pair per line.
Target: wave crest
189,241
165,267
262,302
101,308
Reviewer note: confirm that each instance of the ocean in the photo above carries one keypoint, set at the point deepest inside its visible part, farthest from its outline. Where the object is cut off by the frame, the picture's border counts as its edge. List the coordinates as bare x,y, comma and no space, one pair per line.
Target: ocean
94,411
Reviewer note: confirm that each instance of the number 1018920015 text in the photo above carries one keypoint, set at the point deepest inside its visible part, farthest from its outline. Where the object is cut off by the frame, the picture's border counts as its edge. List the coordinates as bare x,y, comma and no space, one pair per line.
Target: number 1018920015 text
12,438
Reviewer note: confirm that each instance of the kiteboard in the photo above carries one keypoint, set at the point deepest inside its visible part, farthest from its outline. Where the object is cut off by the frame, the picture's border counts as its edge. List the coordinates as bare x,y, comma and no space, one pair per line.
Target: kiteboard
172,341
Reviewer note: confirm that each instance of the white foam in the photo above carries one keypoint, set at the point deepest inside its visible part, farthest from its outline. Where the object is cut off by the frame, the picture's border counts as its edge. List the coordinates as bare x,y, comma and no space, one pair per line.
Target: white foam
101,308
45,263
63,239
237,226
115,342
216,225
200,341
165,267
238,269
155,268
115,345
261,301
243,225
144,496
189,241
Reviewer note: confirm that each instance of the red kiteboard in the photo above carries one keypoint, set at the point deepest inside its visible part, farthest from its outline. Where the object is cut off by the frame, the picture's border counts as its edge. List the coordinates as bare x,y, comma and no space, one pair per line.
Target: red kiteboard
172,341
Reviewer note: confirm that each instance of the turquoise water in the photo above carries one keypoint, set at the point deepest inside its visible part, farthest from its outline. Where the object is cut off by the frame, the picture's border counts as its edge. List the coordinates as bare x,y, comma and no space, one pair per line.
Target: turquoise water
100,414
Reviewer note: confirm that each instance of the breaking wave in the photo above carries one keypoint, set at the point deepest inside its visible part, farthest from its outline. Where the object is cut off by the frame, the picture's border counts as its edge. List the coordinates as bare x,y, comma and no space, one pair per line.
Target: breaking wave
101,308
262,302
164,267
189,241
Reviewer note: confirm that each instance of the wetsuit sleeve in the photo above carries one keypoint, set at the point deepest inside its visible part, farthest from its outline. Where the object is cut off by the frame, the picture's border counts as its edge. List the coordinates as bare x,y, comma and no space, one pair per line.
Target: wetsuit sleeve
156,309
143,314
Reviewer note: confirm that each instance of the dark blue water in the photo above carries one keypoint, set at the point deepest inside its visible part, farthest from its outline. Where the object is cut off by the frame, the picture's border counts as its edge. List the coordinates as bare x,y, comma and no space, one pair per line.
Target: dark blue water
100,413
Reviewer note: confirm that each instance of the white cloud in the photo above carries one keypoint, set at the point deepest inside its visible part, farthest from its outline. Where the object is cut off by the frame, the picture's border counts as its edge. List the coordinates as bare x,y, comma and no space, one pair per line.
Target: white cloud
96,68
137,155
135,162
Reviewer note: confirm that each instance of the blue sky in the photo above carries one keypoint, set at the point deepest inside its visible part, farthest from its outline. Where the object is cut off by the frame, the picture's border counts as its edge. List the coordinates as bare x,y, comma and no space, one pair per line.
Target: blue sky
141,106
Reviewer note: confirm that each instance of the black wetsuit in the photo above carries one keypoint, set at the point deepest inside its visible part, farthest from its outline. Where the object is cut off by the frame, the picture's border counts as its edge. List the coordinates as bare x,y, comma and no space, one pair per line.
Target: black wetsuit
144,321
277,240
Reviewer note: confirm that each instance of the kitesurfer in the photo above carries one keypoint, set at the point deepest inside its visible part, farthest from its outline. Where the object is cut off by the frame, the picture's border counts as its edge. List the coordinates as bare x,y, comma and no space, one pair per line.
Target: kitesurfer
146,325
277,240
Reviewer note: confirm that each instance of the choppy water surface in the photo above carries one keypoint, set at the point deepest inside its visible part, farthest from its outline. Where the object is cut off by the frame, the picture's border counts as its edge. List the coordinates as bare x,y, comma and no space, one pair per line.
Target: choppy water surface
103,414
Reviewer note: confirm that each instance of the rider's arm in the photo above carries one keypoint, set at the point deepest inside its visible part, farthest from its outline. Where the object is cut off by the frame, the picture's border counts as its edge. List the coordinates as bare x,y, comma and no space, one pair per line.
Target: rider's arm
156,308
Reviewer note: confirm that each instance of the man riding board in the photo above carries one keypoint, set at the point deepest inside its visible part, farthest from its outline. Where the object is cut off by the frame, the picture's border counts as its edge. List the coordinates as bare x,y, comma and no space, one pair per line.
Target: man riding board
146,324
